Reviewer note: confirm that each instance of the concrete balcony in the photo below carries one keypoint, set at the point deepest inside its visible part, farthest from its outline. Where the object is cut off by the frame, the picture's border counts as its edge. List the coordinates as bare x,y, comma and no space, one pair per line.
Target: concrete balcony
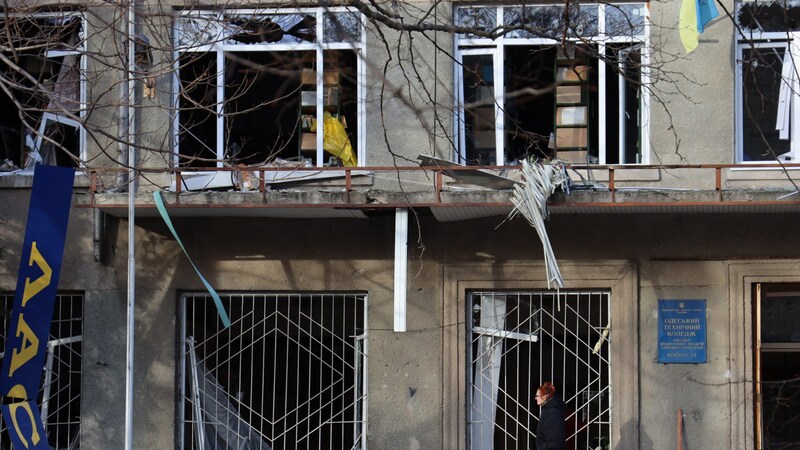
451,193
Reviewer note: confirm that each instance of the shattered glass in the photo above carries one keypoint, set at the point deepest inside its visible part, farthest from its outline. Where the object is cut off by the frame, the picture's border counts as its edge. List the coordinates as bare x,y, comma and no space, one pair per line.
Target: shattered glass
290,28
54,33
342,27
478,18
548,21
274,29
200,30
625,19
756,15
535,21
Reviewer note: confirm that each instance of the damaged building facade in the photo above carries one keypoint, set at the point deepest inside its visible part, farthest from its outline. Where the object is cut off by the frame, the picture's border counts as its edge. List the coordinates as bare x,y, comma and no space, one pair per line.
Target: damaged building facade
344,178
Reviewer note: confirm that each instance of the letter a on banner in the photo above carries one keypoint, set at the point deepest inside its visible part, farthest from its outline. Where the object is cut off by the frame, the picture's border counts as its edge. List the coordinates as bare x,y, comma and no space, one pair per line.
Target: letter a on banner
34,298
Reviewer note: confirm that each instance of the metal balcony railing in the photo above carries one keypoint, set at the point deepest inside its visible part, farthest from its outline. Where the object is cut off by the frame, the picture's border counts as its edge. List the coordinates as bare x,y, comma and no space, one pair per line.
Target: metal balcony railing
601,185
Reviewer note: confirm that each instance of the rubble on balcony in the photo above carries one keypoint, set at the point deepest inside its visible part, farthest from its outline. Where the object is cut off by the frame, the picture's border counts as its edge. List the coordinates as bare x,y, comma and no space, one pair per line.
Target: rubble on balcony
249,178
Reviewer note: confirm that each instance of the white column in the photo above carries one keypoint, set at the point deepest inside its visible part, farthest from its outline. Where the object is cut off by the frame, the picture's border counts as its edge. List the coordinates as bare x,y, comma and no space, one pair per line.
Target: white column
400,267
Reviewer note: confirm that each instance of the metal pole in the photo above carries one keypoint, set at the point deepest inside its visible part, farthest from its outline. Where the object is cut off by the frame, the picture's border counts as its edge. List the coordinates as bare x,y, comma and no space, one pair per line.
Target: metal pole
129,136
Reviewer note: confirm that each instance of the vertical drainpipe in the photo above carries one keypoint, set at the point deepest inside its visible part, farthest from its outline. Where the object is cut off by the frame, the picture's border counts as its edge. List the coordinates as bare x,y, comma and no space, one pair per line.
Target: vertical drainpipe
400,268
127,130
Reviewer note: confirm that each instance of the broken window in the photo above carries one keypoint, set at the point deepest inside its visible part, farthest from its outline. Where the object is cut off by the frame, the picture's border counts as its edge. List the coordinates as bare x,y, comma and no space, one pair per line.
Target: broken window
776,351
767,83
43,73
259,86
525,95
519,340
768,15
764,105
289,373
59,397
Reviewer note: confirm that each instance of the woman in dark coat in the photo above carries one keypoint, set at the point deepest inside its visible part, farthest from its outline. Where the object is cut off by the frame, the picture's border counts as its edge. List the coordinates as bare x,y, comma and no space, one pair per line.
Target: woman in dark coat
550,431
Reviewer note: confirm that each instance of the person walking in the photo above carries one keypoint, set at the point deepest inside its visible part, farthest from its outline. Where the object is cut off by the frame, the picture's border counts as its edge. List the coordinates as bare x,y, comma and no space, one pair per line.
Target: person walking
550,431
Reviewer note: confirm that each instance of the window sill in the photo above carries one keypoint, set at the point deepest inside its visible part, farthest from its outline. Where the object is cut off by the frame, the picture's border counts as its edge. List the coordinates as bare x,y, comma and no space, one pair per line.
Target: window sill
744,167
21,179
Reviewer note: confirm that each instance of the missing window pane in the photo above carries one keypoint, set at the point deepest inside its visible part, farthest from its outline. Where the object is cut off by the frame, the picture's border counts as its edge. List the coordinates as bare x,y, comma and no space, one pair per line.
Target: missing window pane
762,79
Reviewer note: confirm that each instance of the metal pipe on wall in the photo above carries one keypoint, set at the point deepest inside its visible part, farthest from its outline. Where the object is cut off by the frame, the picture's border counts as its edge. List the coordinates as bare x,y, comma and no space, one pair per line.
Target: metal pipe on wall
129,137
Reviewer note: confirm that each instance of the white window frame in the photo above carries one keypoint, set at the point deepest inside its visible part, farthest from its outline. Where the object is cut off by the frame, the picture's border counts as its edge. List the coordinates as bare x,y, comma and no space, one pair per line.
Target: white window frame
79,50
220,47
466,45
790,41
58,118
499,87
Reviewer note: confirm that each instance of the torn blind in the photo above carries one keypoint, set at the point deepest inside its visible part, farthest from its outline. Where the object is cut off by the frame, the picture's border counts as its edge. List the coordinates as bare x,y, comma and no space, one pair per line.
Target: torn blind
530,200
487,372
785,96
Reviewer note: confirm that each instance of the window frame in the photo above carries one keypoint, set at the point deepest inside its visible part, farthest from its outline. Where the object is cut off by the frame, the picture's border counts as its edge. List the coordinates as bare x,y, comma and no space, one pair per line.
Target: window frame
219,47
80,51
790,41
57,118
464,44
761,293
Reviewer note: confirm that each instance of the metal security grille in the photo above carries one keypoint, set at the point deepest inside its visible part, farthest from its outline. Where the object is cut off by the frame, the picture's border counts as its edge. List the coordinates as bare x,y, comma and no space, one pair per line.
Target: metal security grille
289,373
522,339
60,394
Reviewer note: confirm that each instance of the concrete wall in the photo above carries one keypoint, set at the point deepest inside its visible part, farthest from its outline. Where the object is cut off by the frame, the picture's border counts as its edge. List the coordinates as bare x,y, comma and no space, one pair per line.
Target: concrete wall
692,105
641,258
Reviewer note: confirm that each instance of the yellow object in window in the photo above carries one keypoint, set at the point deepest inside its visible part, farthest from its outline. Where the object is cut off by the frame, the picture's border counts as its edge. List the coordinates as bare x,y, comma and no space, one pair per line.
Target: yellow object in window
335,140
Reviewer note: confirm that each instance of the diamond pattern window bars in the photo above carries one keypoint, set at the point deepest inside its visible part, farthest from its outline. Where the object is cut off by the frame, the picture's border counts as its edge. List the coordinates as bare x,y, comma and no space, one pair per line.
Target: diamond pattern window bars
60,394
522,339
289,373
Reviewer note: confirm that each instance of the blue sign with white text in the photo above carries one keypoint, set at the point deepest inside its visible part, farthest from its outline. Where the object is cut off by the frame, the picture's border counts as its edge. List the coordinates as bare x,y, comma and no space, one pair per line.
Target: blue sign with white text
682,332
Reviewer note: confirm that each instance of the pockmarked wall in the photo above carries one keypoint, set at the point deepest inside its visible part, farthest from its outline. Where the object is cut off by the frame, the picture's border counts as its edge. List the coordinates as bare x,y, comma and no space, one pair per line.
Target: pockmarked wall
416,392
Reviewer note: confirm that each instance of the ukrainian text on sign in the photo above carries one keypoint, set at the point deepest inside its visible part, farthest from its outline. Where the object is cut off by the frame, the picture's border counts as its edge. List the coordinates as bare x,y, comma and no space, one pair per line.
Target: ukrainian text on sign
682,331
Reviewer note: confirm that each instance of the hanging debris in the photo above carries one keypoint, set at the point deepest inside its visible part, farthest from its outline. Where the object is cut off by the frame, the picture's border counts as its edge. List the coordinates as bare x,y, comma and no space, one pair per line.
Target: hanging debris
530,196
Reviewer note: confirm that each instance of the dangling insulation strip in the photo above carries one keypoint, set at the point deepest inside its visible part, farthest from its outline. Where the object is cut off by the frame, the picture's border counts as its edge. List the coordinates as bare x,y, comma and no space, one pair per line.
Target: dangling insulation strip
530,200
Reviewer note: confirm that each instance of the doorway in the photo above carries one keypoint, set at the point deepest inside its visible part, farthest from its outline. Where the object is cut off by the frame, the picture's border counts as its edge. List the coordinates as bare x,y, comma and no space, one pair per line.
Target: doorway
777,366
520,340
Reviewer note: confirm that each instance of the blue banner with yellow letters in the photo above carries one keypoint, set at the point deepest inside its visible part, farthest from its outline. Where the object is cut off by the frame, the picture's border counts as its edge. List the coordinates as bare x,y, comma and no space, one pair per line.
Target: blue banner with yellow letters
25,427
34,298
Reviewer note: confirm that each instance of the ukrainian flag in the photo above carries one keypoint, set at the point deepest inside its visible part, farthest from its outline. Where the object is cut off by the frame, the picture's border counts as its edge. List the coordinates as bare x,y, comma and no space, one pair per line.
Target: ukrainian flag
695,14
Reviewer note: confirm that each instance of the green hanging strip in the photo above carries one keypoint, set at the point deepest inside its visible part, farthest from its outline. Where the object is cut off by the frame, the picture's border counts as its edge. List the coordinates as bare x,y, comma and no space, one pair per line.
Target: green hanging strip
217,301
